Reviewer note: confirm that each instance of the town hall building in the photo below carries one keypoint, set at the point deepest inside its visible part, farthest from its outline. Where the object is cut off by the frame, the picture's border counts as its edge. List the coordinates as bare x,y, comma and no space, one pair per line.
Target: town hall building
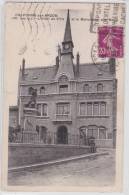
67,102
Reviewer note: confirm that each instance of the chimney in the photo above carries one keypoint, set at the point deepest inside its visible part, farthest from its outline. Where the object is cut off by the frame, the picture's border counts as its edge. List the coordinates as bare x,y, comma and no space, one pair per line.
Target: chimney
23,67
112,65
77,64
59,53
57,62
58,58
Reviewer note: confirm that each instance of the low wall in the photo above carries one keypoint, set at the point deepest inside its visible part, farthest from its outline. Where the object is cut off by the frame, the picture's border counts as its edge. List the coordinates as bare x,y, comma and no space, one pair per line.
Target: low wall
25,154
104,143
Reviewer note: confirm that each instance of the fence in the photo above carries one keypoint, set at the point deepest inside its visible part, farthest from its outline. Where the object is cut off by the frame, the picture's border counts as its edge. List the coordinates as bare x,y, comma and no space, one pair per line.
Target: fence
47,138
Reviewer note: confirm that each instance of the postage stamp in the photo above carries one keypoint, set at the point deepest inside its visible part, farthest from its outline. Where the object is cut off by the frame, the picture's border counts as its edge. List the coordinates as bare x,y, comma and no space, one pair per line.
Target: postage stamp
110,42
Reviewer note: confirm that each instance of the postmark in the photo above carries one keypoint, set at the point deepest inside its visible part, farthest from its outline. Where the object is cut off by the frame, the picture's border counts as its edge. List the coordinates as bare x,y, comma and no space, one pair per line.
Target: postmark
94,54
110,42
99,61
107,14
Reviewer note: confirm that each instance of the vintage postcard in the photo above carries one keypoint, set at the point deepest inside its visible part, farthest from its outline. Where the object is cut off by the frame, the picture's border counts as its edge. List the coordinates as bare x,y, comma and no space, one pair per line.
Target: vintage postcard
63,81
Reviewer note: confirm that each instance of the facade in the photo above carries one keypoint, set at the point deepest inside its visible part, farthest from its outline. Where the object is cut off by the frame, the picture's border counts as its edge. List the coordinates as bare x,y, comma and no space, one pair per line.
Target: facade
67,101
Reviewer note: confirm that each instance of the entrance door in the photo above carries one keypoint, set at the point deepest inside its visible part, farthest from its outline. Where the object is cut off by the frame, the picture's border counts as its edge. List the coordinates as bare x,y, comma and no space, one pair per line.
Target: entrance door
62,135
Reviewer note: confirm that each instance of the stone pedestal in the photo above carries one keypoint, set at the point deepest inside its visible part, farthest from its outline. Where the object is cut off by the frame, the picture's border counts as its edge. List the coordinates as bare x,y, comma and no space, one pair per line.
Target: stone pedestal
29,133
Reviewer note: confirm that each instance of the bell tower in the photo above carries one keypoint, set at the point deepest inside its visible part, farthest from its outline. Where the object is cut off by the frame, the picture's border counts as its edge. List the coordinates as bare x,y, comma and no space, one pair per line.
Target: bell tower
66,55
67,44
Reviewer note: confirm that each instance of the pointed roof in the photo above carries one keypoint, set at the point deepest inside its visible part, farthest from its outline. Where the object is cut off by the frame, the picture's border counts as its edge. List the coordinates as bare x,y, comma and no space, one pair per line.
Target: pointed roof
67,35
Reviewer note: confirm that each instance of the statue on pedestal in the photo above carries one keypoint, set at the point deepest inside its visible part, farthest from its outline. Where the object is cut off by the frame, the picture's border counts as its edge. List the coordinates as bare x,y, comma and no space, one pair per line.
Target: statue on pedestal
32,102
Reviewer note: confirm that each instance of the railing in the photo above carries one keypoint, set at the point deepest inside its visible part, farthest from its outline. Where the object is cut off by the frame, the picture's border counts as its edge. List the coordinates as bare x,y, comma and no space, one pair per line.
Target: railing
64,117
46,138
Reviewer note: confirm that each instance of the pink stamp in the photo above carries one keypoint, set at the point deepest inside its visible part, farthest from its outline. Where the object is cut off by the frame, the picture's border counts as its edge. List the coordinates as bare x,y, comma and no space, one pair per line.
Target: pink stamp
110,42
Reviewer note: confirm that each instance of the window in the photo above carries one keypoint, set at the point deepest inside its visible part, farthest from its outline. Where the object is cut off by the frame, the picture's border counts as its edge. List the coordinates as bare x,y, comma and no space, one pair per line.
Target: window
30,91
82,131
102,108
63,79
42,109
92,131
82,108
109,136
89,109
92,108
39,109
63,88
42,90
102,133
96,108
100,87
96,132
63,109
86,88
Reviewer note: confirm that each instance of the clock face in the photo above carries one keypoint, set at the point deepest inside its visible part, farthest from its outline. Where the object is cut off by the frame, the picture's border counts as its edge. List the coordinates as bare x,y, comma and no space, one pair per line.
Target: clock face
66,46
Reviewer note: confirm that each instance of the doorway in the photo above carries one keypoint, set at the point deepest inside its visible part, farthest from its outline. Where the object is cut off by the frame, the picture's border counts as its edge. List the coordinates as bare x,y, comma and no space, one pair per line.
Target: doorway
62,135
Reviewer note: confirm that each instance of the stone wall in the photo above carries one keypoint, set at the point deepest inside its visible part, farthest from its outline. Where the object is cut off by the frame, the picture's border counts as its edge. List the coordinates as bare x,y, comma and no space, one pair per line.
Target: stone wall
25,154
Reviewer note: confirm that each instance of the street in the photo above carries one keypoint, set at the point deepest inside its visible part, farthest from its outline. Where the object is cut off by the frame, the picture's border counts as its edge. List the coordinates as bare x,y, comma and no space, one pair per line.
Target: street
99,171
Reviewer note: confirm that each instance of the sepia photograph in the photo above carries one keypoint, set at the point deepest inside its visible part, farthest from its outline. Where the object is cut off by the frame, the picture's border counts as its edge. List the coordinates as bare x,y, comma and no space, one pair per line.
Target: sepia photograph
64,75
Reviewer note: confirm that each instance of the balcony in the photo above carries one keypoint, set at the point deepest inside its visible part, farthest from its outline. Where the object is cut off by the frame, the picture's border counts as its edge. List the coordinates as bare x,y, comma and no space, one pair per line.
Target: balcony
30,111
58,118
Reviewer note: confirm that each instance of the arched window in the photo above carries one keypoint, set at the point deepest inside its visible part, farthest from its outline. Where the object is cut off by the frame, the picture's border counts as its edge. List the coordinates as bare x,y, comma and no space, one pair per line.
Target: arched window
82,131
86,88
63,84
63,79
99,87
62,135
30,91
102,133
42,90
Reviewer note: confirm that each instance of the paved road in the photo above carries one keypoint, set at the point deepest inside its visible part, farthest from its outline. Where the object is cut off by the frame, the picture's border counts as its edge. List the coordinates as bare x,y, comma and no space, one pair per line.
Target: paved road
99,171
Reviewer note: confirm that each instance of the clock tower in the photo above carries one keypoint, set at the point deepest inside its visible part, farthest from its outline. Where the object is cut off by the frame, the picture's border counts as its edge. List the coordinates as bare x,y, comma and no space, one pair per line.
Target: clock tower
67,44
66,53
